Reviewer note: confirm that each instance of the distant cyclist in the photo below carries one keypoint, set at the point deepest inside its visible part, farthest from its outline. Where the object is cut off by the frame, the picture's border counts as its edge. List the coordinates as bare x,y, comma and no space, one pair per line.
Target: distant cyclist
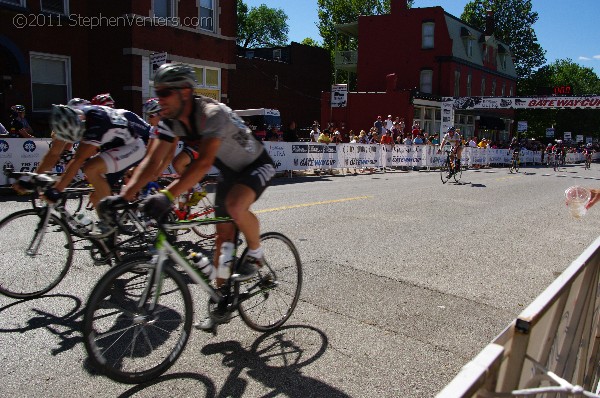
454,139
515,147
103,100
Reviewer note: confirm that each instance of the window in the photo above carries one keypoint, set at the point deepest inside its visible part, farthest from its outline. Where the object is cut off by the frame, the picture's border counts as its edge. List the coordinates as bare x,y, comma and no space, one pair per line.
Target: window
511,91
494,87
55,6
469,84
207,11
277,53
485,54
20,3
503,61
50,80
427,31
212,77
426,85
468,43
482,86
164,8
503,89
457,83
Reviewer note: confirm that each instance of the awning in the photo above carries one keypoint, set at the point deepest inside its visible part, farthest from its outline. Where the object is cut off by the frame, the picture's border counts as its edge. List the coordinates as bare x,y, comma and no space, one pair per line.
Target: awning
491,123
349,29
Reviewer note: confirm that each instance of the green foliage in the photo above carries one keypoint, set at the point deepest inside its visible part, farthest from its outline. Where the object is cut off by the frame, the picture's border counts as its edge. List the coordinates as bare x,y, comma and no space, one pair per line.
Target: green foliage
514,21
560,73
309,41
261,26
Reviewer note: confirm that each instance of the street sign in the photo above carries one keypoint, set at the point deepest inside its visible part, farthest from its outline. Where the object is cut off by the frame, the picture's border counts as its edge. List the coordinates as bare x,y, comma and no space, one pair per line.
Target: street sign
579,138
156,60
522,126
339,95
550,132
567,135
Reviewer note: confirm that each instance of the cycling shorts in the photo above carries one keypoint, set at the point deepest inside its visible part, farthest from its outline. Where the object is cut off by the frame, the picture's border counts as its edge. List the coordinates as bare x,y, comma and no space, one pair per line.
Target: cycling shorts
256,176
123,157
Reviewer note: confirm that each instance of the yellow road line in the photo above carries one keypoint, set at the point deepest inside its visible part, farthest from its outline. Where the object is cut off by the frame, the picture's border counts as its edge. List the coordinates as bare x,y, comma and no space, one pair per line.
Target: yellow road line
323,202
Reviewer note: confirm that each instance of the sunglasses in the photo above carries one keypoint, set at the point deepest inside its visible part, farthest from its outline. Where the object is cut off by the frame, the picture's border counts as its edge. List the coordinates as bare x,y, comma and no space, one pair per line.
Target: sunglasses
153,115
165,92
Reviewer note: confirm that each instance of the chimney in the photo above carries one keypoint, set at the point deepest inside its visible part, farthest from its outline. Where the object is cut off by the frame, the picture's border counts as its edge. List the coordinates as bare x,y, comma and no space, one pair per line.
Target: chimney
489,23
398,6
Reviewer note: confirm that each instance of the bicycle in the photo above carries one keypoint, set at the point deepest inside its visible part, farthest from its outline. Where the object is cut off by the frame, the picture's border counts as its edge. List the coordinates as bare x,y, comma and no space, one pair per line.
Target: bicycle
514,162
448,169
588,161
34,265
556,161
139,315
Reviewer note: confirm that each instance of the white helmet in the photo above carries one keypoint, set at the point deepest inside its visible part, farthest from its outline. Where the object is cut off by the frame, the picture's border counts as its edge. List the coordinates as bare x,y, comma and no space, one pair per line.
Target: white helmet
66,123
78,102
151,106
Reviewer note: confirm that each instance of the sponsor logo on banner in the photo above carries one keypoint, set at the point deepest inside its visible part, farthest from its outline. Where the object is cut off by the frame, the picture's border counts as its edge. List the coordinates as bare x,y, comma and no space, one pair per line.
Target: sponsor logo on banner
330,149
29,146
7,165
316,149
311,162
4,146
299,148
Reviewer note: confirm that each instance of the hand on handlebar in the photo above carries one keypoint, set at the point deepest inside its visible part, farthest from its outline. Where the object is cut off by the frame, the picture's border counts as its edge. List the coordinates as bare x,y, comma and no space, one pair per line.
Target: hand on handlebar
107,208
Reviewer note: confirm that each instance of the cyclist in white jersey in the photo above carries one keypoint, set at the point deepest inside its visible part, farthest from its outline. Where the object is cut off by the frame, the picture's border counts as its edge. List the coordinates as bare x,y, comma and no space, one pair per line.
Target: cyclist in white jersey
454,139
221,138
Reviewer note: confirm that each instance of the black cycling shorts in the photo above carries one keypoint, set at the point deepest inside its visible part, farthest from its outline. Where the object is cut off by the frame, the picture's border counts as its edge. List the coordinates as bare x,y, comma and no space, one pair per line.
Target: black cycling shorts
257,176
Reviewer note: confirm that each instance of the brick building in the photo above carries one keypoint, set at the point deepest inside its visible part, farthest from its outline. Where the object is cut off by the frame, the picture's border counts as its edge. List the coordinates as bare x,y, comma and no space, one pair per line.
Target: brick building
408,59
52,50
290,79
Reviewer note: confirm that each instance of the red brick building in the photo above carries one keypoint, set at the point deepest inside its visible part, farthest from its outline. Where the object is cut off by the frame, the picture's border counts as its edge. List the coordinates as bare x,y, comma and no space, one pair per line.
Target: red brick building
290,79
52,50
408,59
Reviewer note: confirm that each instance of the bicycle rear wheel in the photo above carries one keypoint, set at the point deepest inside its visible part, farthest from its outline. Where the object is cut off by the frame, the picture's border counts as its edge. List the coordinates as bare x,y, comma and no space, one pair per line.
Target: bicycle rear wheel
129,336
204,209
267,301
458,174
445,172
34,259
516,165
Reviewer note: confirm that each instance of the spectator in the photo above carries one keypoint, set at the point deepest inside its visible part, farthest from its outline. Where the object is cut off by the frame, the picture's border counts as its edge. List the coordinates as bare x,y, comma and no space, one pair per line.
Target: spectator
435,140
473,142
19,126
418,140
408,140
483,143
378,125
290,135
416,129
387,138
344,136
324,137
336,137
353,138
315,132
374,138
362,137
388,123
271,134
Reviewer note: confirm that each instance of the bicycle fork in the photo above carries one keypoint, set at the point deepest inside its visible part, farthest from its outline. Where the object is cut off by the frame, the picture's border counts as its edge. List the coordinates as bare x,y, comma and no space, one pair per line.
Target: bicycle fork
40,231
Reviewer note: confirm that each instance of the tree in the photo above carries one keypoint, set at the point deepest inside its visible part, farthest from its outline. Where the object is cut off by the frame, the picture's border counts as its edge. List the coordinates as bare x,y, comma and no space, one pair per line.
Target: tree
561,73
309,41
514,21
261,26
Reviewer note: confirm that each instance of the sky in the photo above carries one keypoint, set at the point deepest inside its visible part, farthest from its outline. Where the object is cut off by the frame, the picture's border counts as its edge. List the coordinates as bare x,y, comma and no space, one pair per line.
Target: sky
565,28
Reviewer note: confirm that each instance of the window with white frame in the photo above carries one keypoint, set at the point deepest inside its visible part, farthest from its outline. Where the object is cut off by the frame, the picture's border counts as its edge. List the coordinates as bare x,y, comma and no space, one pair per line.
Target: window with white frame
20,3
503,89
426,81
511,91
494,87
55,6
164,8
50,80
482,86
468,43
207,15
503,61
457,83
469,84
427,31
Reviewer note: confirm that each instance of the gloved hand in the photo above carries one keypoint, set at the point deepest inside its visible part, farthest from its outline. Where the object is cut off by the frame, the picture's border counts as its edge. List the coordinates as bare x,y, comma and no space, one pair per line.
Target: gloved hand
52,195
107,208
158,205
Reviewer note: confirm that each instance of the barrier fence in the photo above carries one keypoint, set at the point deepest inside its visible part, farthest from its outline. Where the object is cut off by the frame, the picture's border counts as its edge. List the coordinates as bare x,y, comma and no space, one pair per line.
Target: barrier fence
558,334
25,154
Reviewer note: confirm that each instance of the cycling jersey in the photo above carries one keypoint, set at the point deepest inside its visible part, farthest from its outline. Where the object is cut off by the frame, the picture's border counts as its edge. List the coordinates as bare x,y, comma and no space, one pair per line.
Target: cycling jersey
109,128
455,140
210,119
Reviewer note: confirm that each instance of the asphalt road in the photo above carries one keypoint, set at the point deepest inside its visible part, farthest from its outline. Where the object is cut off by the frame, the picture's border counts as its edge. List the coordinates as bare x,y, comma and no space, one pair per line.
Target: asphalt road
405,280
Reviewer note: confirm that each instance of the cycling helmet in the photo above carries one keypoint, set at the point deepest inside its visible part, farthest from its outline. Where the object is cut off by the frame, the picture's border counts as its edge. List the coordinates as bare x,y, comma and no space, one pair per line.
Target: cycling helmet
451,128
17,108
175,75
589,145
151,106
77,102
104,100
66,123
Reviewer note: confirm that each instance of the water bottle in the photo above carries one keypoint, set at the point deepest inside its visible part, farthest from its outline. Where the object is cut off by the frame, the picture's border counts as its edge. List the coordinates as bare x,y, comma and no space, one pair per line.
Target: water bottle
202,262
84,221
225,260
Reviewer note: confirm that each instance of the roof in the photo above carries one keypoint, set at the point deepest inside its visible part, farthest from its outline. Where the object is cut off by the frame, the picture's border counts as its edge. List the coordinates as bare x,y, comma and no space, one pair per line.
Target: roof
350,29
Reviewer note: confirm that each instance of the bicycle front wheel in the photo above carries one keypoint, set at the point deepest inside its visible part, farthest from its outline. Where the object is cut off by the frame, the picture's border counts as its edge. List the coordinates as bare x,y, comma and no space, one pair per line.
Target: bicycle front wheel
135,329
445,172
458,174
34,258
267,301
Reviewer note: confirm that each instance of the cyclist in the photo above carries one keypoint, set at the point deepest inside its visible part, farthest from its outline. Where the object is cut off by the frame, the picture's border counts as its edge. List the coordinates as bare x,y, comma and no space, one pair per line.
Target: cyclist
559,151
103,100
19,126
453,138
222,138
109,143
515,146
588,151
